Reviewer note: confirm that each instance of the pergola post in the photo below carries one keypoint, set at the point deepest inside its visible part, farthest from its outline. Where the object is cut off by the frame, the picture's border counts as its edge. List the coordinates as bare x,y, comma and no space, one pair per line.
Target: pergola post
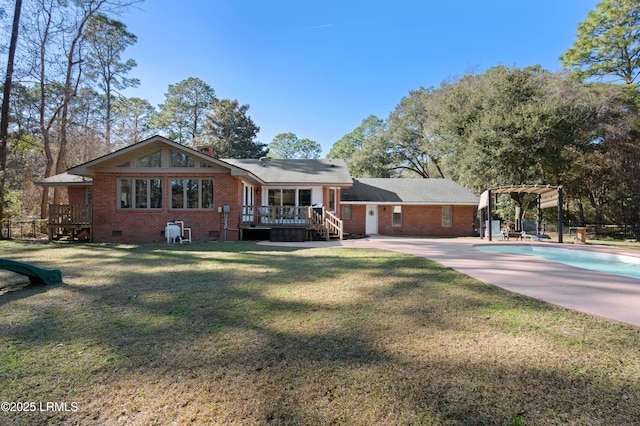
560,214
481,219
539,218
489,216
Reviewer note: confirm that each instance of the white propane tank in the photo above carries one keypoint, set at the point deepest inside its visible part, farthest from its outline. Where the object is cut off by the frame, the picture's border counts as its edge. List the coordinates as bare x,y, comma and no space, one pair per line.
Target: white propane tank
172,231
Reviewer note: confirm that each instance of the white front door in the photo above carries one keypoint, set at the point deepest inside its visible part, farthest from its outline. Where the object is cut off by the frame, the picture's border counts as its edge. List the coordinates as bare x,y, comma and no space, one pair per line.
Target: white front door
371,223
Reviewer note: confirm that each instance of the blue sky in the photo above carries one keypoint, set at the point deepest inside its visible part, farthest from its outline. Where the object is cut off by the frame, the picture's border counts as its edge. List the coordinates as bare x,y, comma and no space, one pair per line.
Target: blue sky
318,68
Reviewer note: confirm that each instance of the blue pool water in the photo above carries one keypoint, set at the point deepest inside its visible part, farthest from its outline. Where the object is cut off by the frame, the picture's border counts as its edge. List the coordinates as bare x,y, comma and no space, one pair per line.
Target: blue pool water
596,261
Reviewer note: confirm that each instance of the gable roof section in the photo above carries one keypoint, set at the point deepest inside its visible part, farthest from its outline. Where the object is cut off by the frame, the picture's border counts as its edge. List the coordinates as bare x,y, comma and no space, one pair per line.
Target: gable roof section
147,145
65,179
331,172
407,191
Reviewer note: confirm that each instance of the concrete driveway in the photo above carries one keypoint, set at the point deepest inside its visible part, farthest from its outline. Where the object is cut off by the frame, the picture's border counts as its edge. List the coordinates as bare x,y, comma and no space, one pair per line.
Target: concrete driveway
610,296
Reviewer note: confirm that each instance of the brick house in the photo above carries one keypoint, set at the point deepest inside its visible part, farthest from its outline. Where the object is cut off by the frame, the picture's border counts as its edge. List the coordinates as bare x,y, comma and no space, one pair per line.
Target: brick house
423,207
137,194
133,194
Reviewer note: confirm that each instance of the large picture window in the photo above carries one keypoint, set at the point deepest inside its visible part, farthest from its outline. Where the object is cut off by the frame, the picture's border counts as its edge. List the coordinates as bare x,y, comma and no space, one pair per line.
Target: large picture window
140,193
192,194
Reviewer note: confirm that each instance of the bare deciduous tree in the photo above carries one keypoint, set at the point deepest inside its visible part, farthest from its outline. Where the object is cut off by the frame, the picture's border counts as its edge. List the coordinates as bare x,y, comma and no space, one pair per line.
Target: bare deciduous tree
4,116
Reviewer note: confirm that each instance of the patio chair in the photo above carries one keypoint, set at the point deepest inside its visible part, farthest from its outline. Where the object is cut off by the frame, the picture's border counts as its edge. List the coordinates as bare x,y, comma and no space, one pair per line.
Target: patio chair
532,237
496,233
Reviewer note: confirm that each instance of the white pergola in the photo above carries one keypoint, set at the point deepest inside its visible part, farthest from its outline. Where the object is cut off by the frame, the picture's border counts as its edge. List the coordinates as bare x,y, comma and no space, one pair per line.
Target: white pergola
548,196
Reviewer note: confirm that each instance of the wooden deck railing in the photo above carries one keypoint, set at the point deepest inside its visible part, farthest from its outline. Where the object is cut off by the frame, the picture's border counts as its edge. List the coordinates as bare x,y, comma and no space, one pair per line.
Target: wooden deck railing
324,222
271,216
333,224
327,224
72,220
69,214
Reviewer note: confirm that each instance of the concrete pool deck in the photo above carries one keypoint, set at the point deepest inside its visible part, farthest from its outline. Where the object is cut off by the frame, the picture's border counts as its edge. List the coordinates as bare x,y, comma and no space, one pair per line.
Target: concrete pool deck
596,293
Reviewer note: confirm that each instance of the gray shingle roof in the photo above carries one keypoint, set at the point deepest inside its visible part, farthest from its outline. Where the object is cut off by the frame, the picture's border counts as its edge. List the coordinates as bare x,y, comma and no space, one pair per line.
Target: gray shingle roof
407,191
306,171
65,179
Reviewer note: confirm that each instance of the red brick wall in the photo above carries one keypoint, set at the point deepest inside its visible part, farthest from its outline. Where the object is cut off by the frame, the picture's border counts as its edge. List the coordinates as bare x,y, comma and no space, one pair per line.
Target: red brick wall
355,225
77,195
416,220
148,225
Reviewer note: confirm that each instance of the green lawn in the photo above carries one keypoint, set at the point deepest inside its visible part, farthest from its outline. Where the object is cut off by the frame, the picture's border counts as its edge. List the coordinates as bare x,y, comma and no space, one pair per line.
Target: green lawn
631,244
237,333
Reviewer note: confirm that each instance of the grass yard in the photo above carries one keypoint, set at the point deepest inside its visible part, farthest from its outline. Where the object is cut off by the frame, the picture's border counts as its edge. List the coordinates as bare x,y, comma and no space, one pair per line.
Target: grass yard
237,333
630,244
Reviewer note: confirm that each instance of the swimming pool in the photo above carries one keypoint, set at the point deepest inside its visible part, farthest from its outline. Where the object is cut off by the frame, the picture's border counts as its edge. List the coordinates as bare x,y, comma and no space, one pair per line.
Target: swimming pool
627,266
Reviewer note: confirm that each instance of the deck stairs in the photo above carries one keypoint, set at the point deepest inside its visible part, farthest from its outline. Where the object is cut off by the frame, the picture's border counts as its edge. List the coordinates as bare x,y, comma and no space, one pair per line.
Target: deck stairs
326,225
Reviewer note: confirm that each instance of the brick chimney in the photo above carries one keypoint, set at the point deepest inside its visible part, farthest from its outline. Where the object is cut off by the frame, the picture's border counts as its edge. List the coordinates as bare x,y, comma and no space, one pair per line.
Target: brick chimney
207,150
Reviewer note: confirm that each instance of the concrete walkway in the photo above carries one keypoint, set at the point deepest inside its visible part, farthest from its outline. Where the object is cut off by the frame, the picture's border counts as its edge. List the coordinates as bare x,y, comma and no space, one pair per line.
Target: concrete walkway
610,296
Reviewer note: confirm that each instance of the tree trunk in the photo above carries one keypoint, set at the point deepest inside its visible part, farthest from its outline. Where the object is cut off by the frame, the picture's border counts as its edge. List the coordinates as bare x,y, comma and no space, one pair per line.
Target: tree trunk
596,209
70,90
581,212
437,164
107,129
4,116
45,126
44,201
